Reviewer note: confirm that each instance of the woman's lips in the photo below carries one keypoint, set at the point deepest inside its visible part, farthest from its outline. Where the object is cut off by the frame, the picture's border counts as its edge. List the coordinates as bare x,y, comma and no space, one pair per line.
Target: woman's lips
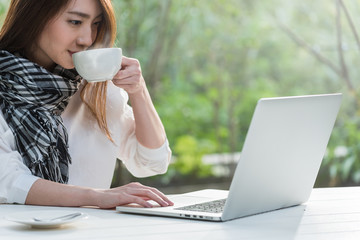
71,53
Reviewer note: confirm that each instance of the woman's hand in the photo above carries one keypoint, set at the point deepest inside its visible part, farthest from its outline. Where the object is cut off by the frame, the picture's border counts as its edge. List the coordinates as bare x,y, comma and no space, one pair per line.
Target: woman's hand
130,76
131,193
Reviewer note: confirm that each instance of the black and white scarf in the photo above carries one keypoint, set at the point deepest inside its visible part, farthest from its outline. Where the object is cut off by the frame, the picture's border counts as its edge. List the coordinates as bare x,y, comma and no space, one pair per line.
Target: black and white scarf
31,100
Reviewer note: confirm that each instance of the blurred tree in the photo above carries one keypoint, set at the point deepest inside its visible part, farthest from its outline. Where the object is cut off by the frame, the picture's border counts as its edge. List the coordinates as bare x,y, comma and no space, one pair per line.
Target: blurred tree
339,55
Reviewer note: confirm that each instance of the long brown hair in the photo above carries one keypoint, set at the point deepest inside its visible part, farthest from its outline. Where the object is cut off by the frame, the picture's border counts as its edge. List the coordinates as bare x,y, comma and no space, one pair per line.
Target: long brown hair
26,20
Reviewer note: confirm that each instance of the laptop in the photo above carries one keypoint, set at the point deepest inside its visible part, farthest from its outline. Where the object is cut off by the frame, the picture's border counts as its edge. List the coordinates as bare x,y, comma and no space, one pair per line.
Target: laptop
278,165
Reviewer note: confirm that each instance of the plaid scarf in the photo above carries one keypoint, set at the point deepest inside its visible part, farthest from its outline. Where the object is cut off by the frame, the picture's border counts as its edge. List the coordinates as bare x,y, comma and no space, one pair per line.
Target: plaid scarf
32,100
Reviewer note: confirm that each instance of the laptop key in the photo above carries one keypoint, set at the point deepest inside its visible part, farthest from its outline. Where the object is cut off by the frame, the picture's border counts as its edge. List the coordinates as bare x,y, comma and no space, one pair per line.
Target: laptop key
212,206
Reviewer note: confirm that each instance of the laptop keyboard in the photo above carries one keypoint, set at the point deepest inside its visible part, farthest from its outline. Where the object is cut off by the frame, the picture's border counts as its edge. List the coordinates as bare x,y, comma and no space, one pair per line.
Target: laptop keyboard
216,206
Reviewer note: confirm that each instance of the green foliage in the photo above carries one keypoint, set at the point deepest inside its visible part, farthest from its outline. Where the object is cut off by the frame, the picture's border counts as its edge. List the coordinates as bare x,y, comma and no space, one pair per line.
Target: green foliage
4,4
343,161
189,156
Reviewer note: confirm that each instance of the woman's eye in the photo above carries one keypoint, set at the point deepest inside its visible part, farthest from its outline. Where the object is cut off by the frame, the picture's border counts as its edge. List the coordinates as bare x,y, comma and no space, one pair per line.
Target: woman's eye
75,22
97,23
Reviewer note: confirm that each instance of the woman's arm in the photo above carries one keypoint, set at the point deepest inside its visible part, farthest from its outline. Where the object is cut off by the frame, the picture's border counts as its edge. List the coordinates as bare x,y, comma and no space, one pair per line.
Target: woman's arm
44,192
149,128
15,178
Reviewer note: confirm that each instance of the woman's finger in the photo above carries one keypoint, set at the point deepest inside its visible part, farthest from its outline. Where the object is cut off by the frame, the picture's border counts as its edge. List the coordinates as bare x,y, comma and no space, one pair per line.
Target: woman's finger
143,192
127,72
130,80
162,196
125,61
129,198
148,192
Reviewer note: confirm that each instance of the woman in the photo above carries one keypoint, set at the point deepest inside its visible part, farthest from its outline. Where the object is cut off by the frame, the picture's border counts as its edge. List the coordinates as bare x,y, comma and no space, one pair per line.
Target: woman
53,156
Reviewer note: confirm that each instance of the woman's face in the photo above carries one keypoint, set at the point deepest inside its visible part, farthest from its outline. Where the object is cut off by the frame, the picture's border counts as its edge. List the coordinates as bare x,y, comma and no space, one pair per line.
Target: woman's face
74,30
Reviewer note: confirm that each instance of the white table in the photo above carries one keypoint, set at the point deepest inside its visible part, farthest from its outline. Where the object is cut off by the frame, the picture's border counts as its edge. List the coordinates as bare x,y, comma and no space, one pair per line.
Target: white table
331,213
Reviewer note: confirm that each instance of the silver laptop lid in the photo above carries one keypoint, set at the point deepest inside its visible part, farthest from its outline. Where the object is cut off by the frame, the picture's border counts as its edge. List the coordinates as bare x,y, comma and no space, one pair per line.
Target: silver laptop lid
282,153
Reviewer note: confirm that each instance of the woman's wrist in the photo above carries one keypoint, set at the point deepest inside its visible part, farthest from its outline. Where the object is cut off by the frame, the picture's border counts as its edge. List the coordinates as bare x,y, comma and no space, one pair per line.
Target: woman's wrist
94,197
140,95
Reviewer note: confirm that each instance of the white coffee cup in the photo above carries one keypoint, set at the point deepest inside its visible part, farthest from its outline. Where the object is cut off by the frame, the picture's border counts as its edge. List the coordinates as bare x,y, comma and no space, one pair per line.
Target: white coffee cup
97,65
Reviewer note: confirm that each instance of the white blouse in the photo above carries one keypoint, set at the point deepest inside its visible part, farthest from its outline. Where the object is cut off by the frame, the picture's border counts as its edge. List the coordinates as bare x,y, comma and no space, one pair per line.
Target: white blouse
93,154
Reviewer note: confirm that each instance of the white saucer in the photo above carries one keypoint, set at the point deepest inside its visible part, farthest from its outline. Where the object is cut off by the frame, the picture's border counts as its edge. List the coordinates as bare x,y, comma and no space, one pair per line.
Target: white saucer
27,218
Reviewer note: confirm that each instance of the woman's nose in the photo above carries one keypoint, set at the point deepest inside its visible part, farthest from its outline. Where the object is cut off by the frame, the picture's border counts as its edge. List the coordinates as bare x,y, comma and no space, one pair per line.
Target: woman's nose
85,37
